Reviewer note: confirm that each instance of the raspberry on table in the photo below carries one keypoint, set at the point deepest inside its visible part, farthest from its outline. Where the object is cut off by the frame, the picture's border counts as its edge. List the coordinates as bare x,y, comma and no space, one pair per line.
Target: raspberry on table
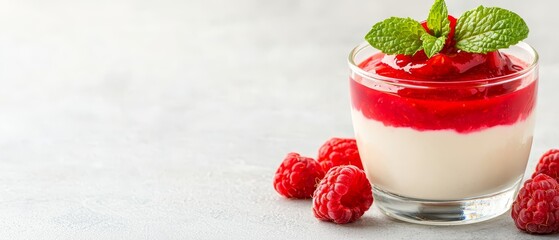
536,208
297,176
343,195
549,164
339,151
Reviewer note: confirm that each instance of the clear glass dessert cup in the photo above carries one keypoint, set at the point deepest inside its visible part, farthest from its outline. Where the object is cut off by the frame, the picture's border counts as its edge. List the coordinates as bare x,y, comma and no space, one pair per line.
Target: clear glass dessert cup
444,152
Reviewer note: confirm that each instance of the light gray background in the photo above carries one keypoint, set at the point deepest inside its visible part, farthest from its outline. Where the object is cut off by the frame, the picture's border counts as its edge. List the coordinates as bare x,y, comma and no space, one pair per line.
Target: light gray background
125,119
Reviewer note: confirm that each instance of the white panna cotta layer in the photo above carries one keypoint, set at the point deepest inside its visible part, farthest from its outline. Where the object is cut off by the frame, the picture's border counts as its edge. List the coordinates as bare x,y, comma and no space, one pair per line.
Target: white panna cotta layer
443,164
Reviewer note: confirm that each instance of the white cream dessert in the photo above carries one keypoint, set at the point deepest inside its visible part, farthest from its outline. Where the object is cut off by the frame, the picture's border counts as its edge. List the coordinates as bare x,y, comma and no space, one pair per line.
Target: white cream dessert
444,142
443,164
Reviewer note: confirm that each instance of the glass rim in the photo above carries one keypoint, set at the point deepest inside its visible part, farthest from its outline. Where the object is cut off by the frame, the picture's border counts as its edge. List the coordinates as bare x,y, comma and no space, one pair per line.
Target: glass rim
427,84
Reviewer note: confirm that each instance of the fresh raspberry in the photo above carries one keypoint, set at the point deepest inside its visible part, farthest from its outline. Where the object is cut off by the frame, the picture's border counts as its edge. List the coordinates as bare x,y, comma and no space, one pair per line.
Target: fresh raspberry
339,151
549,164
343,195
536,208
297,176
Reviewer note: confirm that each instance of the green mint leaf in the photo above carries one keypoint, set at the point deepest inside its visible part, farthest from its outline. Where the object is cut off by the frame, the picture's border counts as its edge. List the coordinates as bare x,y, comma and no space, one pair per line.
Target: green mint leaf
437,21
432,45
485,30
396,36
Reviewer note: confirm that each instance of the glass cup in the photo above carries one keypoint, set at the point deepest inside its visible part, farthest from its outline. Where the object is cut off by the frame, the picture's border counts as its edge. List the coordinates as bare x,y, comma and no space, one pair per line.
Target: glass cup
444,152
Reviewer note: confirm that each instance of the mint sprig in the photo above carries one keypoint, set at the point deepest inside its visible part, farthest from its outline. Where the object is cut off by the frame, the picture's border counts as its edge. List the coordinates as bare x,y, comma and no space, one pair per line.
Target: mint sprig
397,36
432,45
437,21
480,30
485,30
407,36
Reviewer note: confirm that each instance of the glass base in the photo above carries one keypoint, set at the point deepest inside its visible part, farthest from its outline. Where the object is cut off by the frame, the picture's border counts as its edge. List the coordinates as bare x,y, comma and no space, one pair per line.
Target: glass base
457,212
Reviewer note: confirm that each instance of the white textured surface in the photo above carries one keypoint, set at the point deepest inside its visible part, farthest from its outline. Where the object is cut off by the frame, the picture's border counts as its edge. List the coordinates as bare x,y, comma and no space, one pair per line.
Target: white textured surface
125,119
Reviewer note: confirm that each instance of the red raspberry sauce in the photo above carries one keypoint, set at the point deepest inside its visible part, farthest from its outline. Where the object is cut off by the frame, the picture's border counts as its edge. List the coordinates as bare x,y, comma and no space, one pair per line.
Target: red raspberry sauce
462,107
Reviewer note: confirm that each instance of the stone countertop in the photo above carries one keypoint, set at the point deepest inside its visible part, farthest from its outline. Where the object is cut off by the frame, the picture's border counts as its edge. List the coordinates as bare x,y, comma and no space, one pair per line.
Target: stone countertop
167,119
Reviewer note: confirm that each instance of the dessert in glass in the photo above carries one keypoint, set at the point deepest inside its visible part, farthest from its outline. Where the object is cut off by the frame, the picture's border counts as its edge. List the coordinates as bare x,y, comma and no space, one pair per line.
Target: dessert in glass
444,139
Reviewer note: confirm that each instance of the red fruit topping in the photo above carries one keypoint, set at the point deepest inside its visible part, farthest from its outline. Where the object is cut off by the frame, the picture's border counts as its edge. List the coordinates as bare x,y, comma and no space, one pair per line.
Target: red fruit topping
424,25
461,107
444,66
343,195
438,65
339,151
449,45
450,64
536,208
497,62
549,164
297,176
